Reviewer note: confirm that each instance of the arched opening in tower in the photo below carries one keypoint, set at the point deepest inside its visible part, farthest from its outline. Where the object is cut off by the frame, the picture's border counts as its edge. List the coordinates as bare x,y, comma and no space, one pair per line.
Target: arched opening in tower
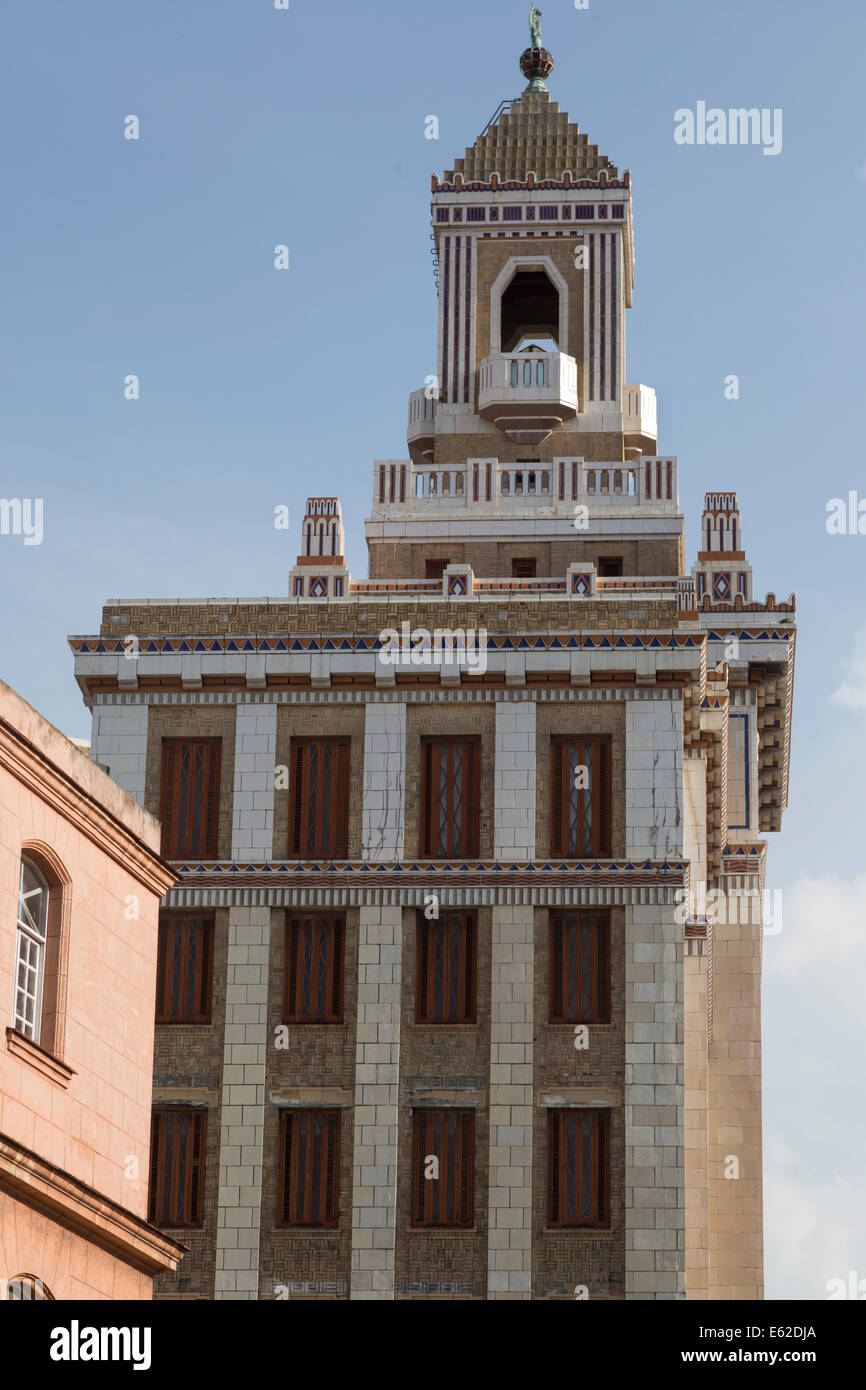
530,312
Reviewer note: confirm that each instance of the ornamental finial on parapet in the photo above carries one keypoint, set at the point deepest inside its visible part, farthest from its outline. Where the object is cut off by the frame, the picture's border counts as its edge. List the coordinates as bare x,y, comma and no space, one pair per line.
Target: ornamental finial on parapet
535,62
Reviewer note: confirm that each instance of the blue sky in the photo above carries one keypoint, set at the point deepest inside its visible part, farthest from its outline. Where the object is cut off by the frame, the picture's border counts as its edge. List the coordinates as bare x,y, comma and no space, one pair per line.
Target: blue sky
306,127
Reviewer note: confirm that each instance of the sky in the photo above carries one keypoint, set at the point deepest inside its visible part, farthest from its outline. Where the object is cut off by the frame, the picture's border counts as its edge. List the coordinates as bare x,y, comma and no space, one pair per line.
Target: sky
305,127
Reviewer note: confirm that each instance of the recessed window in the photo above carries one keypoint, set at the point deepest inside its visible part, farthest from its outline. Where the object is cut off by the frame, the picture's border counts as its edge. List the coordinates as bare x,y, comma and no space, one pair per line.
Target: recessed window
580,781
443,1166
450,797
434,569
610,566
579,990
308,1183
184,969
446,963
319,811
32,941
315,946
190,798
578,1167
523,568
177,1159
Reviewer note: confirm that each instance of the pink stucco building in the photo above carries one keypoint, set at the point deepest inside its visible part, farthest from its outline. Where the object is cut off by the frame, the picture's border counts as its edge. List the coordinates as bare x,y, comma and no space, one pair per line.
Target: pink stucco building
80,885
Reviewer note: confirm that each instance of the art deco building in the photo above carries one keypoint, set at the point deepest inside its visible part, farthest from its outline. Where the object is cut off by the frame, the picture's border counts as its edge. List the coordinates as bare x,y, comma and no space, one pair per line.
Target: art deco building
80,886
459,985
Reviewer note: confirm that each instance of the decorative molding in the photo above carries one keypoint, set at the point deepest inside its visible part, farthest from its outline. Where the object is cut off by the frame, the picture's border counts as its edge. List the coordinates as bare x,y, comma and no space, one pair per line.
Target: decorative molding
26,1050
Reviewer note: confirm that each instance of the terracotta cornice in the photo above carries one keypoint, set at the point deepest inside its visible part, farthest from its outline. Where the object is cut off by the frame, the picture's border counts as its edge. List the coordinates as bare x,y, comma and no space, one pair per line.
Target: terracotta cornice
71,1203
41,776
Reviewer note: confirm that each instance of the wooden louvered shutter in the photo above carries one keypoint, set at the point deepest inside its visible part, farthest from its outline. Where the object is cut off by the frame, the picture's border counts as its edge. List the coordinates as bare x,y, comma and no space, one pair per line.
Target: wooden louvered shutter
285,1188
422,967
469,930
340,792
291,967
211,791
467,1165
558,809
168,800
332,1140
602,1190
337,968
204,1000
193,1212
602,808
420,1183
427,785
155,1142
298,789
553,1170
557,965
472,820
165,927
601,981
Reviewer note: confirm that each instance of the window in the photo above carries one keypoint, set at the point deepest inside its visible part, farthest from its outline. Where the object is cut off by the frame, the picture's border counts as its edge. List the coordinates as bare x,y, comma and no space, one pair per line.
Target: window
523,569
32,941
319,814
578,1167
308,1186
580,797
450,797
190,798
446,968
435,568
27,1288
443,1190
177,1167
184,969
579,989
610,566
314,969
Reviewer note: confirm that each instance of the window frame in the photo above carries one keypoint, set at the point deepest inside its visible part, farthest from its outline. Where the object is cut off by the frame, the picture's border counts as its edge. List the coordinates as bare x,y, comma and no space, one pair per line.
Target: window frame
330,1167
169,797
193,1197
466,924
203,1014
423,1192
32,935
600,1124
600,970
299,781
430,750
335,969
600,792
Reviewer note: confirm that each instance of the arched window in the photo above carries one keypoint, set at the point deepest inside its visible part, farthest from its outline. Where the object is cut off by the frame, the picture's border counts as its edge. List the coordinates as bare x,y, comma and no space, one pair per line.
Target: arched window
32,939
27,1287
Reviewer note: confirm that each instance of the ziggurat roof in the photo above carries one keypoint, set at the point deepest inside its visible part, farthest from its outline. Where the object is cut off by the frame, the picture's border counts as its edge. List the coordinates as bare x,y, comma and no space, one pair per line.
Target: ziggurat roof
533,137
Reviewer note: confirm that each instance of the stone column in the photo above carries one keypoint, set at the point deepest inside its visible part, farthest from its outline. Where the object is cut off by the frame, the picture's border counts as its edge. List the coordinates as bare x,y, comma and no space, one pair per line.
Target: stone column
384,773
509,1238
514,781
243,1104
253,805
374,1178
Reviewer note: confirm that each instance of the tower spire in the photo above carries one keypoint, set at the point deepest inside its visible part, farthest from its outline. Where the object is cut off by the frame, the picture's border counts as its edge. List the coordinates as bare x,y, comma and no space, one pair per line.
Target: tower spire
535,61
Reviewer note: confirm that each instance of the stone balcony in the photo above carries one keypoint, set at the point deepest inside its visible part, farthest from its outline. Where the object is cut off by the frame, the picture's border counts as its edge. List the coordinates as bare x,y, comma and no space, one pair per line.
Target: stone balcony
528,394
421,429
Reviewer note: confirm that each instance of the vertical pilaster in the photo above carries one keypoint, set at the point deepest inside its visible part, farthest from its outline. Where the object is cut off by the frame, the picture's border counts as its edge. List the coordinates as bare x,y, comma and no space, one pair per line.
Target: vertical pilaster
509,1254
384,764
654,774
514,784
253,805
243,1104
374,1180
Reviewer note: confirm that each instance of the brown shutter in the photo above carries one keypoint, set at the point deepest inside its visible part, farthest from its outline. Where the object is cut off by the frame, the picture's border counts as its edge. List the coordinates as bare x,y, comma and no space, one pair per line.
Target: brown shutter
420,1129
602,970
469,930
422,965
338,969
196,1190
558,837
167,800
602,1198
297,800
207,930
603,802
341,798
286,1168
553,1173
291,968
332,1165
155,1141
472,832
211,812
161,952
556,968
466,1144
426,798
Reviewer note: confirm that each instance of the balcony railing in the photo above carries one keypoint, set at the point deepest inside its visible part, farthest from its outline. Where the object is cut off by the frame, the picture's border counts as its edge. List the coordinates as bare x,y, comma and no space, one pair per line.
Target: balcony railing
551,486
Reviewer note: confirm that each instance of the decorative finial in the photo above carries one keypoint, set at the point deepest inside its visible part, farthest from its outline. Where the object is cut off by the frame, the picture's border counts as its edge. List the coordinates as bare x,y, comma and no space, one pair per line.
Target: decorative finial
536,63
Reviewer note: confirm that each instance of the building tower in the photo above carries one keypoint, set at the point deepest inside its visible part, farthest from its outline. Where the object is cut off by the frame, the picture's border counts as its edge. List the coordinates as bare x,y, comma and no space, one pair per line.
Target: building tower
450,967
